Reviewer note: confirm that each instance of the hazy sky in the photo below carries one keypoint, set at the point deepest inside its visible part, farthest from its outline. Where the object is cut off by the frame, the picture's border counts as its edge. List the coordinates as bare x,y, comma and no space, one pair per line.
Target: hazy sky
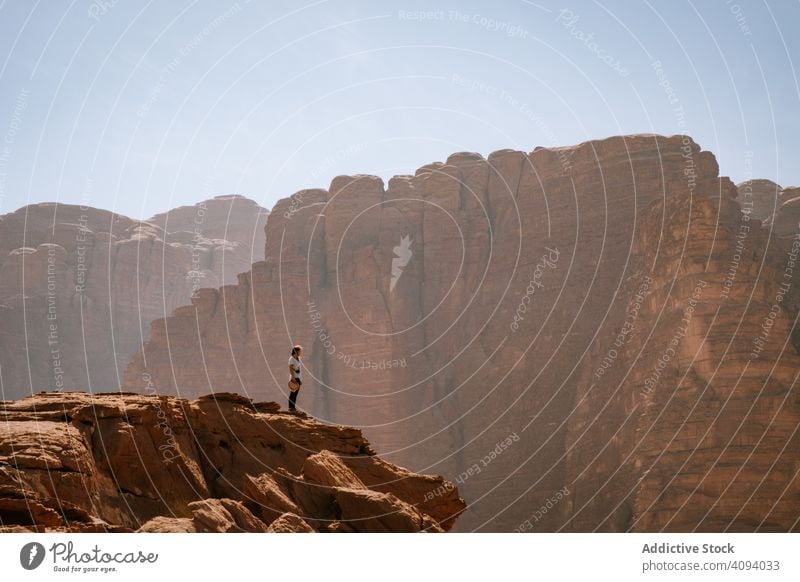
140,106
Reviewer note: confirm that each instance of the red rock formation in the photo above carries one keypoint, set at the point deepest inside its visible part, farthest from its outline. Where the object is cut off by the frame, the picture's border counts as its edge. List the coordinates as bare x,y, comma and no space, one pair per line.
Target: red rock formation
80,286
759,198
222,463
459,317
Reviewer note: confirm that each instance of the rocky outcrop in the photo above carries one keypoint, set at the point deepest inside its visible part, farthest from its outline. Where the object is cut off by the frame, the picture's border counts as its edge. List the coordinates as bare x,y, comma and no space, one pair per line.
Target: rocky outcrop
291,523
80,286
221,463
490,319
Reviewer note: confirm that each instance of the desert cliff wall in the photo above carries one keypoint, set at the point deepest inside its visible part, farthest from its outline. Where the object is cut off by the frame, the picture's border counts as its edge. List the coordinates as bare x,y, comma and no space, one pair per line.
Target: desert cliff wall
81,462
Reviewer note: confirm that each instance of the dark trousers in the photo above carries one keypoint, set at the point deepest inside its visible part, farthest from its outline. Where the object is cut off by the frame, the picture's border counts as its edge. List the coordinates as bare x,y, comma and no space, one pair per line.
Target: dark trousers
293,399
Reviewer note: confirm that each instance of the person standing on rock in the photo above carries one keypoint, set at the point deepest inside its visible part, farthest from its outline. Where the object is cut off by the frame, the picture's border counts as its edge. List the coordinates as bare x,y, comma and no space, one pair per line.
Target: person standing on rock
295,376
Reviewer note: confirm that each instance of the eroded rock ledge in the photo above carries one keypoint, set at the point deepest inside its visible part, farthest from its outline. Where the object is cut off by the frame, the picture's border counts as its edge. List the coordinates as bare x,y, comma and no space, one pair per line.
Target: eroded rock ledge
221,463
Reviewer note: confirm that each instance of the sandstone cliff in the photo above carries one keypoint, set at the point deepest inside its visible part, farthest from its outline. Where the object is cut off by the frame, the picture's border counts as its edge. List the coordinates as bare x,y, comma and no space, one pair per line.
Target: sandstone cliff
504,322
221,463
80,286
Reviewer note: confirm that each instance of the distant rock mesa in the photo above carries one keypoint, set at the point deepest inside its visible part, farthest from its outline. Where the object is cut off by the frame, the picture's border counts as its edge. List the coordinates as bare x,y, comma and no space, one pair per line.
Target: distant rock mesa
606,310
79,286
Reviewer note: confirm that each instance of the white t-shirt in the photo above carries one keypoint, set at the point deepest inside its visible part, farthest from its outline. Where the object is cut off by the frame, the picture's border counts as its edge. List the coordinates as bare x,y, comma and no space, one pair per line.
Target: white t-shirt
296,363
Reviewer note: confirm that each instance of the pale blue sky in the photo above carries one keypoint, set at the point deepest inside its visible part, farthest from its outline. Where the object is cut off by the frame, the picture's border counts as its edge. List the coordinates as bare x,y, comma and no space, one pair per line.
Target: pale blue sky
138,107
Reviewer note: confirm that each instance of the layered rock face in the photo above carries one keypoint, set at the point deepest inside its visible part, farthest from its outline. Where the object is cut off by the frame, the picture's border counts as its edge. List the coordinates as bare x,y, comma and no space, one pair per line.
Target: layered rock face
468,319
80,286
120,462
